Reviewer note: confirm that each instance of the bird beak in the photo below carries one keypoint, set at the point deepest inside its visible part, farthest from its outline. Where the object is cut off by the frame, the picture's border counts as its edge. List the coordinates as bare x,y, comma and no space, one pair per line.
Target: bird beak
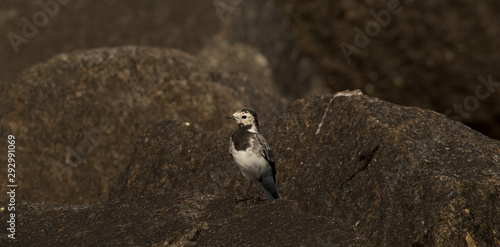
230,117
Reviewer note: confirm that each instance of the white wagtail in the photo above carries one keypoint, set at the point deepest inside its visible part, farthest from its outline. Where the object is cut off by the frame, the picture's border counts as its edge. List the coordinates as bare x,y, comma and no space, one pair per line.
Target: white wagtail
252,154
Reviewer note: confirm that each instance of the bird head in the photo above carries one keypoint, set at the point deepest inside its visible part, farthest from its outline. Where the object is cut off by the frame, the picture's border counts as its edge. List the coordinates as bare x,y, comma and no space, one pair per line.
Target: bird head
245,117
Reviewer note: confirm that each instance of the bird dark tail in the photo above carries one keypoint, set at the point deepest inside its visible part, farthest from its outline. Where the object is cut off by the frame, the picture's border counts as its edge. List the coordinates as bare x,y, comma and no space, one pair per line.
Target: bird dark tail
270,188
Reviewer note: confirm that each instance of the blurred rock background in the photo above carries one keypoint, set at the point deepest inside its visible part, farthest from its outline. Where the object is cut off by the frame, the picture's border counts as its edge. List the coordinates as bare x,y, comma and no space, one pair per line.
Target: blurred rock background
429,55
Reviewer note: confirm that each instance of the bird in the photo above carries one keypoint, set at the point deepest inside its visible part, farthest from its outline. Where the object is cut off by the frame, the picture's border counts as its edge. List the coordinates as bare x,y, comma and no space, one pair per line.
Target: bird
252,154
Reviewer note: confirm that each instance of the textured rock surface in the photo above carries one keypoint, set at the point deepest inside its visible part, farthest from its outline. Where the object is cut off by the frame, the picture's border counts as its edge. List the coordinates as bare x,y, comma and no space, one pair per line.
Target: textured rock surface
81,24
398,175
403,176
78,115
178,220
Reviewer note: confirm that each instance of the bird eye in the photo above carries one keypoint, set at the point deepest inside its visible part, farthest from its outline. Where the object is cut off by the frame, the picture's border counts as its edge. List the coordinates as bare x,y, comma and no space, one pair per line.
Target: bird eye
244,117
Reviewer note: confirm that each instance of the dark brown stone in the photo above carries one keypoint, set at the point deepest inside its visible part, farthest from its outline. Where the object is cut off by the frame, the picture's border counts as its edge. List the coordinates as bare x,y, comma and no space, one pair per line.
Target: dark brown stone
78,115
177,220
400,176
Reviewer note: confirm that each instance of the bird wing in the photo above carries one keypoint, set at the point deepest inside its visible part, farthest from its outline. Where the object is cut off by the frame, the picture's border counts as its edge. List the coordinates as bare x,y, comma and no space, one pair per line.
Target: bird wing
267,153
265,149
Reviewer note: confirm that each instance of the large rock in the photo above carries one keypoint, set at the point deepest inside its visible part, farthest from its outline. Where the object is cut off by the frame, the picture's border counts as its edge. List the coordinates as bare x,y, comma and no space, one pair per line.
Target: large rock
80,24
177,220
77,116
240,58
399,176
429,55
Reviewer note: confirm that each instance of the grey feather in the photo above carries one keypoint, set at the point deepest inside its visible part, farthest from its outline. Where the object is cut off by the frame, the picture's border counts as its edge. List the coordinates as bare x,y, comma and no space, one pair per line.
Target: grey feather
270,188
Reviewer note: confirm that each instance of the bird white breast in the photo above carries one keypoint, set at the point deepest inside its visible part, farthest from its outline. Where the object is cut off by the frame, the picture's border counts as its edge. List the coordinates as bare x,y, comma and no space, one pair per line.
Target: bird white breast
252,165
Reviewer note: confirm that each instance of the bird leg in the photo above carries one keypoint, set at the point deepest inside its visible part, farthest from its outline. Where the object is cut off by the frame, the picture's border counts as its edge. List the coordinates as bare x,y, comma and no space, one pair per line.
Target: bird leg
248,190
